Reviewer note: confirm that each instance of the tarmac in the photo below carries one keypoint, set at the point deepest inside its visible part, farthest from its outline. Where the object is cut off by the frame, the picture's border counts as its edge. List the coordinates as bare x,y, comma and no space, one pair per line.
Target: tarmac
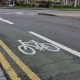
48,13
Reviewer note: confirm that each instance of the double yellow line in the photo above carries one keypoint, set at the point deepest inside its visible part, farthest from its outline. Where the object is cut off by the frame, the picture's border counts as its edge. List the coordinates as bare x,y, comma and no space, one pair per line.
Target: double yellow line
10,71
18,61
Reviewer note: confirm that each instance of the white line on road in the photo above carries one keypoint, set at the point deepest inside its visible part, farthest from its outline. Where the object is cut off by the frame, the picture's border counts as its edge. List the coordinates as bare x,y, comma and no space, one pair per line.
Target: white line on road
4,20
55,43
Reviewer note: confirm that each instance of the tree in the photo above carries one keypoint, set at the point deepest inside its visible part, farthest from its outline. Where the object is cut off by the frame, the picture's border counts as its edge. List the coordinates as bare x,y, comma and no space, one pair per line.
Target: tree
66,2
75,3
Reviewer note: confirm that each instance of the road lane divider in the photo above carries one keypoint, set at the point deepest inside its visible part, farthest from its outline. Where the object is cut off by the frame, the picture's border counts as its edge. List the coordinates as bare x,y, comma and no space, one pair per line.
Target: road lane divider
7,67
74,52
4,20
19,62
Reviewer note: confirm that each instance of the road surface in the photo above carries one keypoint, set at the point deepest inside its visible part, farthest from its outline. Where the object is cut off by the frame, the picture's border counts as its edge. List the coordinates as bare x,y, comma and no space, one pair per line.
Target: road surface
38,47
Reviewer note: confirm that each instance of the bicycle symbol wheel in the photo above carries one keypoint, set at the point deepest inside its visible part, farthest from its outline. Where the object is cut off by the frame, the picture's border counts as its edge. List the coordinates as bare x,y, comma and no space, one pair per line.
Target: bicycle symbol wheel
51,47
28,50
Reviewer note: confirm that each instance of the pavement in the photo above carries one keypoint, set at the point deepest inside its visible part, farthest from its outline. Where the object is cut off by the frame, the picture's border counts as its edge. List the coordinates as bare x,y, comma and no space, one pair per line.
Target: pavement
62,14
38,47
2,76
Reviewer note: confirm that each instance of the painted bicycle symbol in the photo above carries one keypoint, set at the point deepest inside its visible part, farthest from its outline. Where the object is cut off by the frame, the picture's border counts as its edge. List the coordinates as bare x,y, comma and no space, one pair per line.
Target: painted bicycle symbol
28,47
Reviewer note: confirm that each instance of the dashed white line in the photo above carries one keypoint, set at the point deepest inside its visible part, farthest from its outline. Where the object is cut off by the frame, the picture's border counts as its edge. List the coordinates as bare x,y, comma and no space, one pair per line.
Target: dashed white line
57,44
4,20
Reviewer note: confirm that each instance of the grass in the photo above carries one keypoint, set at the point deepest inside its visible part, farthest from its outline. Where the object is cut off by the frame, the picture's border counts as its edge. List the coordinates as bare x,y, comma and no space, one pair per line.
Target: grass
66,8
51,8
27,6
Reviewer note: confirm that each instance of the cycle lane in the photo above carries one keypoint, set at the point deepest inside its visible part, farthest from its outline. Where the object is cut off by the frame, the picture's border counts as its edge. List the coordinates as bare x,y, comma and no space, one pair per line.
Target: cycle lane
46,64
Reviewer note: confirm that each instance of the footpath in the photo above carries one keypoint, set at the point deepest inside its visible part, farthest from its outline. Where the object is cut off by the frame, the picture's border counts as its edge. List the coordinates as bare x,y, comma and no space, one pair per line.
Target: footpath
2,76
62,14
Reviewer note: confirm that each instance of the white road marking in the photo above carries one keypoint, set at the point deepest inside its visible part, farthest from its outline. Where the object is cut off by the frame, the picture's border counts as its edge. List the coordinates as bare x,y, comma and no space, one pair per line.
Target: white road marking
4,20
19,13
31,44
57,44
7,13
11,12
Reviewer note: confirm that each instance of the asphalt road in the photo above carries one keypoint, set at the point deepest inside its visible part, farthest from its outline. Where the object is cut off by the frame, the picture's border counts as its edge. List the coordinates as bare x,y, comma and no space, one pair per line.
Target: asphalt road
57,62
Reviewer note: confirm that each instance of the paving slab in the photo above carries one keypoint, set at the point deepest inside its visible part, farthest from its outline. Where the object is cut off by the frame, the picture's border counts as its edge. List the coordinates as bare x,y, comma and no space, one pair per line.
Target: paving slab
69,15
2,76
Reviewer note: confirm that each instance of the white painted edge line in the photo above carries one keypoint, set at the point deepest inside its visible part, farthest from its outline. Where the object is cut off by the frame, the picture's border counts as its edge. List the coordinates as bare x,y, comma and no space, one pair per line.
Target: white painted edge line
57,44
4,20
